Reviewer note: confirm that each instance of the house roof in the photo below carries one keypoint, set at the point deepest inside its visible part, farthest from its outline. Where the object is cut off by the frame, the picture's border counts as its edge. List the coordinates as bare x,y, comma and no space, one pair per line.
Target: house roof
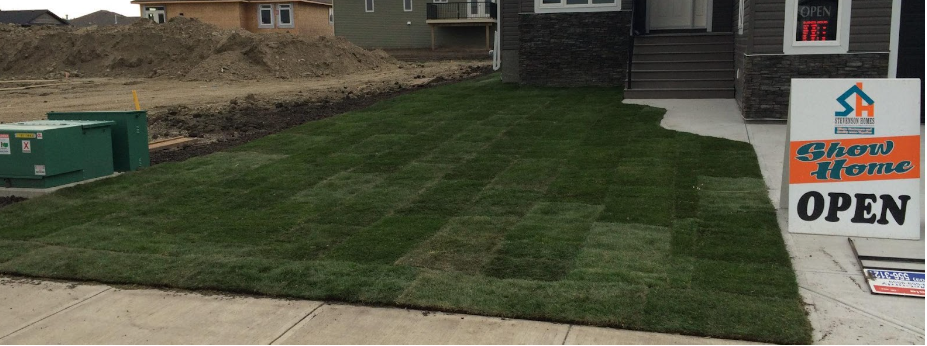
140,2
26,17
103,17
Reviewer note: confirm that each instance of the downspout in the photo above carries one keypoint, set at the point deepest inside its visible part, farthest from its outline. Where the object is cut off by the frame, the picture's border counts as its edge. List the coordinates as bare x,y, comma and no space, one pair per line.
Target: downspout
497,51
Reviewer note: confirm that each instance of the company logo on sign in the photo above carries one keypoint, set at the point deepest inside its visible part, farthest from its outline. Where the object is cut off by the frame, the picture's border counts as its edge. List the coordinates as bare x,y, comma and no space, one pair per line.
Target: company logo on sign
863,109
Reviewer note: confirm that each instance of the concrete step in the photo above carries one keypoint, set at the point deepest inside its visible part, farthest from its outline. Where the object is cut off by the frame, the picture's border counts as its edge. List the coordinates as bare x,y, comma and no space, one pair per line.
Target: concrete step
637,83
727,73
684,47
682,65
680,93
683,56
685,38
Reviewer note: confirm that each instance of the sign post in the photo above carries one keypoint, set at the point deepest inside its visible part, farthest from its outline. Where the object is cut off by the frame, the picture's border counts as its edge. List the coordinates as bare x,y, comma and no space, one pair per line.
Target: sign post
852,164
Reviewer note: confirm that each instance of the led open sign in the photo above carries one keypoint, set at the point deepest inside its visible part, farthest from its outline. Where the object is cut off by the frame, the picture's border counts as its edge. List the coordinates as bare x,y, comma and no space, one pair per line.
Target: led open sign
817,20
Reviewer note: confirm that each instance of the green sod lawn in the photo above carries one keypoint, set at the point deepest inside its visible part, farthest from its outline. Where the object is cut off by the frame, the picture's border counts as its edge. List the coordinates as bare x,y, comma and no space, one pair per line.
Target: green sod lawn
479,197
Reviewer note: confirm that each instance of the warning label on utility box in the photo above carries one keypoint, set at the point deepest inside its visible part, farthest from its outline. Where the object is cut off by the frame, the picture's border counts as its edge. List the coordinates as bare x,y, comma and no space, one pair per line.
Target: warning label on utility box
4,144
39,169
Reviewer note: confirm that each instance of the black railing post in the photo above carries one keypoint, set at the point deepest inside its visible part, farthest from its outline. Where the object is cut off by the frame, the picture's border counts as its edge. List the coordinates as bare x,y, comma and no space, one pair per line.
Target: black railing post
631,45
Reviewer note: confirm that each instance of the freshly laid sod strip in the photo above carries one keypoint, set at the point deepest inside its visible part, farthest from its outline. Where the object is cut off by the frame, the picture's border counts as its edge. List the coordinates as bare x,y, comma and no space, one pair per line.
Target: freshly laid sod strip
480,197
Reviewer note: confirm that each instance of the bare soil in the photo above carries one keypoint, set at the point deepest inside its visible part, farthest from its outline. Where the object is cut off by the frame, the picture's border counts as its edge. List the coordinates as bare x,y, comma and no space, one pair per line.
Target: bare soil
184,49
226,113
222,87
6,201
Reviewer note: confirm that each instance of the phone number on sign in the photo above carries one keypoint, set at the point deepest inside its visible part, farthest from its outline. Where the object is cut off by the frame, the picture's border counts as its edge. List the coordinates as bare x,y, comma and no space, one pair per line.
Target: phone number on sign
892,275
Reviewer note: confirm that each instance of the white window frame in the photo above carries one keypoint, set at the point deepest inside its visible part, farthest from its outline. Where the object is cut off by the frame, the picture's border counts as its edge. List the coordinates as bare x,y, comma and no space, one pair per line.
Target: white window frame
439,1
841,45
740,19
372,5
331,16
407,2
292,16
261,9
540,7
154,11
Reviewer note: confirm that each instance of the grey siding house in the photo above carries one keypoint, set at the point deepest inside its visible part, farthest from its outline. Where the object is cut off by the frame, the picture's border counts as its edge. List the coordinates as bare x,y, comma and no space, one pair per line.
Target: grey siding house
743,49
416,23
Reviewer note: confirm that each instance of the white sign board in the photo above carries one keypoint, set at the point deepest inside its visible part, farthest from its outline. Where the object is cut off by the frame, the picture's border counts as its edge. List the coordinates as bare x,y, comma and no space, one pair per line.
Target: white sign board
853,157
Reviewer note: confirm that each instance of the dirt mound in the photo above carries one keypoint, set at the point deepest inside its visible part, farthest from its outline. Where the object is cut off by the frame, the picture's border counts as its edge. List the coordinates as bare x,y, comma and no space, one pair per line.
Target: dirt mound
182,48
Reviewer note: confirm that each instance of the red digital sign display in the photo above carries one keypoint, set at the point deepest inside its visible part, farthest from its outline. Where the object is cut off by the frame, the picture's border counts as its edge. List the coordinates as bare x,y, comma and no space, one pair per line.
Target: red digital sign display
814,30
817,20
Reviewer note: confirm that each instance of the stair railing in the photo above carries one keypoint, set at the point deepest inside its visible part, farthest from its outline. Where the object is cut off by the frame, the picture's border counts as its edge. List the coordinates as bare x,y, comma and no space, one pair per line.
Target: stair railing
631,43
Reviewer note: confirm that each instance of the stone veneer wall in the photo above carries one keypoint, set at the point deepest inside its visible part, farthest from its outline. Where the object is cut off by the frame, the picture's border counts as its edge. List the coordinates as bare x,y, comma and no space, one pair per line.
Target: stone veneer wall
574,49
766,81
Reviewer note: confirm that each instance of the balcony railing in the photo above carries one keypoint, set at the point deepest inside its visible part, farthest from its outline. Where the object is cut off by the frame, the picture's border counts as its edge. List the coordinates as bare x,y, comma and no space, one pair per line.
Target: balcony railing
462,10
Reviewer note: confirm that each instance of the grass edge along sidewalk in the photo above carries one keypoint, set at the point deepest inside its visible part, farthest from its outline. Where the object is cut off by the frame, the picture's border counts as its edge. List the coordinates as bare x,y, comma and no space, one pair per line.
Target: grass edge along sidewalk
551,204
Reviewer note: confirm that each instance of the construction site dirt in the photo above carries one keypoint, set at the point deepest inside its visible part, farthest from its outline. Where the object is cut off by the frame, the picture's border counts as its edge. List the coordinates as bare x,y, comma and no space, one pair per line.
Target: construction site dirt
242,89
223,114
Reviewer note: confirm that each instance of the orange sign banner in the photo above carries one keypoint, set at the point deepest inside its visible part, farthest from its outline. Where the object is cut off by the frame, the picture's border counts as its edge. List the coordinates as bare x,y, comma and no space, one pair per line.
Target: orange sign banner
859,159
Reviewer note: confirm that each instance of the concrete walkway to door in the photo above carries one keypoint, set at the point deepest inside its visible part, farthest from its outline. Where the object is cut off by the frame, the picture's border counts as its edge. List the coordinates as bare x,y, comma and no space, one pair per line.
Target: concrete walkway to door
840,307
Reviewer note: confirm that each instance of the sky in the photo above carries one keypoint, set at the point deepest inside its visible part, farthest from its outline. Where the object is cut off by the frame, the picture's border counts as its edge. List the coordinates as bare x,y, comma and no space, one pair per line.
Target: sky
72,8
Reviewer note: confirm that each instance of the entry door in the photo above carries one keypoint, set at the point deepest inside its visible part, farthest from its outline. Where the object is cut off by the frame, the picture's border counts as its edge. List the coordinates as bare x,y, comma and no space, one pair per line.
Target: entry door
911,44
670,14
677,14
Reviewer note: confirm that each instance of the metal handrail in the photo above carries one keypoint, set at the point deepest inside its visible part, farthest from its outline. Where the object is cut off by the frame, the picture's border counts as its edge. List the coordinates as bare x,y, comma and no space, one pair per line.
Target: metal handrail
631,43
462,10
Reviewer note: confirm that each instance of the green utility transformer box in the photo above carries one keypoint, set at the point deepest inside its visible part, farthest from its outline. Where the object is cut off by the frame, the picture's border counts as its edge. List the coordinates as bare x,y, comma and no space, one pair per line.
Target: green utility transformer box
130,136
43,154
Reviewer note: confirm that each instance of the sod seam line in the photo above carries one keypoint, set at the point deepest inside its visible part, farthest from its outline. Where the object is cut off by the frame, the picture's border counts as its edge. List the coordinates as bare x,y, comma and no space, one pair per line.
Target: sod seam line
108,289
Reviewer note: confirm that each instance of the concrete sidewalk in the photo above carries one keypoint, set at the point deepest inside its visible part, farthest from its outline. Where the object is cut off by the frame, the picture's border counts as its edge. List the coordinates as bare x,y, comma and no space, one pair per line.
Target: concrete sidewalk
43,312
840,307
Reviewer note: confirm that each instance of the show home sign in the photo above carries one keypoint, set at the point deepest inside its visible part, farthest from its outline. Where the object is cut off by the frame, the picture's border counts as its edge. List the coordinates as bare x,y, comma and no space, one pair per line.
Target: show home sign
852,165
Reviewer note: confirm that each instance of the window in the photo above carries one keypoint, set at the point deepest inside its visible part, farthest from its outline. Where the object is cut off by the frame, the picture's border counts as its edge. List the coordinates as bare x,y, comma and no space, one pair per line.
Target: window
440,1
740,19
817,27
156,14
817,20
266,16
407,5
368,5
548,6
331,16
285,16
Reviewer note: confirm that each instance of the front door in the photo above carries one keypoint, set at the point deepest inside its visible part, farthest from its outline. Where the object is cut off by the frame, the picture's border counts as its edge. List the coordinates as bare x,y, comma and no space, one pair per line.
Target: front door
677,14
